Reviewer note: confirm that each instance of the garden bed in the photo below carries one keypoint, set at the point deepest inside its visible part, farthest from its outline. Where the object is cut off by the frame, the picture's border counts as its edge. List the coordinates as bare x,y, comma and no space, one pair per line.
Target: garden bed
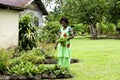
31,66
29,71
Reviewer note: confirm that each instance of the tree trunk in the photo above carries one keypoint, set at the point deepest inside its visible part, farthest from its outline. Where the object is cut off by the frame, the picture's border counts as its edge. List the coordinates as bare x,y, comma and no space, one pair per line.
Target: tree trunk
93,31
117,28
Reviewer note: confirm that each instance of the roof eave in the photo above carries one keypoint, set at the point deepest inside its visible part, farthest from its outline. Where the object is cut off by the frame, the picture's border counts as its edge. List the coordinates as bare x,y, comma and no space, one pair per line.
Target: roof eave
41,6
3,6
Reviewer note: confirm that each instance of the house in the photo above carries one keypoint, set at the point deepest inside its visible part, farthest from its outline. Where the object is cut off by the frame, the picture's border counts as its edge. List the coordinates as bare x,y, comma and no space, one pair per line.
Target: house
9,18
36,10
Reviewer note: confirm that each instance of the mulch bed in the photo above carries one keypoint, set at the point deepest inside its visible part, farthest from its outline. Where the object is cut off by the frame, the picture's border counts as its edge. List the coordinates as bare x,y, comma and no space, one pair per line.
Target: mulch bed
53,61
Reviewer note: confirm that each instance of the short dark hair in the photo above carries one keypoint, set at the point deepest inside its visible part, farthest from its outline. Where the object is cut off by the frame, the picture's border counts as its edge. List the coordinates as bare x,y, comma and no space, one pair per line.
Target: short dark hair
64,19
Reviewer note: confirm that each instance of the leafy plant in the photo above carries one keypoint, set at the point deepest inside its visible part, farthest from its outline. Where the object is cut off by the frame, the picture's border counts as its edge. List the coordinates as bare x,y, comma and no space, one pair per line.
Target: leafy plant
108,29
24,68
49,32
62,41
27,33
60,70
81,28
27,68
5,57
34,56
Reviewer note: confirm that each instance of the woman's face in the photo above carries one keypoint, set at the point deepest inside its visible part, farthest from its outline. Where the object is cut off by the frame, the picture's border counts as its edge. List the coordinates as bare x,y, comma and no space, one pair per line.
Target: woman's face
64,24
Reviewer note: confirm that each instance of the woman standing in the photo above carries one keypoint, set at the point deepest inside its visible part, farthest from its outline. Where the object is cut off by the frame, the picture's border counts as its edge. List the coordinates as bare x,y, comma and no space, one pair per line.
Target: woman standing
66,33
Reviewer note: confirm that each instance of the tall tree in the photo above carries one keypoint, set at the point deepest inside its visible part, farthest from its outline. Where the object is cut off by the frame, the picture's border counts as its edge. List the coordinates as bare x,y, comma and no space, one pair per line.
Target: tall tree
113,12
83,11
86,11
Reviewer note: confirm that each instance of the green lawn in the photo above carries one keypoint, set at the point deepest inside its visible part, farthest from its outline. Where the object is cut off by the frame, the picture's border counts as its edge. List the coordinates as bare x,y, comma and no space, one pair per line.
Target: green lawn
99,59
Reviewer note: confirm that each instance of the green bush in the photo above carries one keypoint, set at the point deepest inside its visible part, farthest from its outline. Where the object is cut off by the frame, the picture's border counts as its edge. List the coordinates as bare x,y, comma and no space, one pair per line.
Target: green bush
27,33
49,32
101,28
5,58
51,54
108,29
35,56
80,29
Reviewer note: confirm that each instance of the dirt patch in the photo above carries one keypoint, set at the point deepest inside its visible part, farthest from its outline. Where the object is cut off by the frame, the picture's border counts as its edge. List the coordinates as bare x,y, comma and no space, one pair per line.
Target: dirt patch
74,60
54,61
50,61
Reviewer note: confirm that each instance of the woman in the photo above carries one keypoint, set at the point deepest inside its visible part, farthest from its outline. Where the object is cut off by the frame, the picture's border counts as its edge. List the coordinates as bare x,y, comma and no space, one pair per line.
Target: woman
64,49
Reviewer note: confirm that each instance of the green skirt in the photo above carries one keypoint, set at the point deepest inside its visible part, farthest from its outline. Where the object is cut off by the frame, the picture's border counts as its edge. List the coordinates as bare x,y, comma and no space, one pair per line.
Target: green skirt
63,55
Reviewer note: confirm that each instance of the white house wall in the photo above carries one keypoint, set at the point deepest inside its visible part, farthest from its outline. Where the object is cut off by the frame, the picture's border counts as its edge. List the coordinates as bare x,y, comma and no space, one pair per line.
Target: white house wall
9,20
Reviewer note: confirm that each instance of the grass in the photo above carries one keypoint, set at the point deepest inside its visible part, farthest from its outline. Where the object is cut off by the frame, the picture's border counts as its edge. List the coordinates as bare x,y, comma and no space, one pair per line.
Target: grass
99,59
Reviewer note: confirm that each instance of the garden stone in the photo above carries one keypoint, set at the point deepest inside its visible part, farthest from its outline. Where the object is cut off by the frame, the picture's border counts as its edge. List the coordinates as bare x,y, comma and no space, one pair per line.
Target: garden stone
60,76
37,77
14,77
52,76
45,76
68,76
7,77
22,77
30,77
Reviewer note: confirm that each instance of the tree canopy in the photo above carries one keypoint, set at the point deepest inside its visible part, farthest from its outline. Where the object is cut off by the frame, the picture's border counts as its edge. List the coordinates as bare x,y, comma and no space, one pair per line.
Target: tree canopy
88,12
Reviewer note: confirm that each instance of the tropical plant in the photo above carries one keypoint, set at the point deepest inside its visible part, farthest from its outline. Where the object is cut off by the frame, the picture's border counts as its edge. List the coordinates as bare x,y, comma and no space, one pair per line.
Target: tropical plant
27,33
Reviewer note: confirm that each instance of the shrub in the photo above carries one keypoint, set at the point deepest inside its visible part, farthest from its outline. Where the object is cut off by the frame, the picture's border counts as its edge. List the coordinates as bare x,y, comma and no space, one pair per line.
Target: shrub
49,32
80,29
27,33
5,57
108,29
35,56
